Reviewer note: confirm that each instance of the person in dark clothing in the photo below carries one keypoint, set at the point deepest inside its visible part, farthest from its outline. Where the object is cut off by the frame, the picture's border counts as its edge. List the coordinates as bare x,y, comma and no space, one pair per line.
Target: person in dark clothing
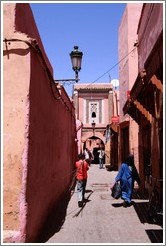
127,175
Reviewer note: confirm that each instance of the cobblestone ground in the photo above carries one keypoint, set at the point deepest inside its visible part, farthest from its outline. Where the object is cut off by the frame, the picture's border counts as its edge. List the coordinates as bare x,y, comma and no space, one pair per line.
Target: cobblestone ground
103,219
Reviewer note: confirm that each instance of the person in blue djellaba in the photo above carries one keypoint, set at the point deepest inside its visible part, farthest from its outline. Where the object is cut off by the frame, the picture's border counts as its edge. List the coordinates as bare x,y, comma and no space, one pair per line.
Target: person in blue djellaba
127,175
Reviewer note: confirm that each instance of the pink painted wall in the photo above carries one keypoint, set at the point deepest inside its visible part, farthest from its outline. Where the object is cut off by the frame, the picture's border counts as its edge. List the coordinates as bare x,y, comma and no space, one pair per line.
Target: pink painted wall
39,130
79,126
128,70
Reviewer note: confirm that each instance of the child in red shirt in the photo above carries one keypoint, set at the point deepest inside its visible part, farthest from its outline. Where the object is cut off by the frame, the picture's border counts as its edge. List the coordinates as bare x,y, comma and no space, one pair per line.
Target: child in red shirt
81,176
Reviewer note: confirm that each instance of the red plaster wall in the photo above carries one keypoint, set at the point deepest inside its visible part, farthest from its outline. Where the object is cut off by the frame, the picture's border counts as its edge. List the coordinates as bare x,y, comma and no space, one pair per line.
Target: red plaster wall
51,148
45,128
150,27
24,23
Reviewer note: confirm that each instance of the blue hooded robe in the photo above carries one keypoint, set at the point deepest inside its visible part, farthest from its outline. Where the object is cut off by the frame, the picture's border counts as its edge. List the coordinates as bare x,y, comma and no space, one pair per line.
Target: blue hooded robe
127,175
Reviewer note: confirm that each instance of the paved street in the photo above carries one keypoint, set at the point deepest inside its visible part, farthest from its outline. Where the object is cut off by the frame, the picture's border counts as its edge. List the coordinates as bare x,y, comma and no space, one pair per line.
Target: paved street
103,219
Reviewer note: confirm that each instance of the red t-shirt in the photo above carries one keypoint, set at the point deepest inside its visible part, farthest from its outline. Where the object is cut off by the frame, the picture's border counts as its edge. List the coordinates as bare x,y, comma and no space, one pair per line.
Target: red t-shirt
82,168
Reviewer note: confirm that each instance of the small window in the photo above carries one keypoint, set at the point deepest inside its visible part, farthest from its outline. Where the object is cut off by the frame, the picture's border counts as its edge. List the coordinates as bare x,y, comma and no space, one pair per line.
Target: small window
93,115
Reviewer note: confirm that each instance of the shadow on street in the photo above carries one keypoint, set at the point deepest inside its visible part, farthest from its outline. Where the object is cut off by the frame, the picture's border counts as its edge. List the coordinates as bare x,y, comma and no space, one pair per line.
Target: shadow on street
141,208
86,200
55,219
57,216
156,236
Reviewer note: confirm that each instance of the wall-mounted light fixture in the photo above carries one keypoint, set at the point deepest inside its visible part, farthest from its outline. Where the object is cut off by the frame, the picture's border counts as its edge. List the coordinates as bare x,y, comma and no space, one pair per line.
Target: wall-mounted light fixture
93,127
76,59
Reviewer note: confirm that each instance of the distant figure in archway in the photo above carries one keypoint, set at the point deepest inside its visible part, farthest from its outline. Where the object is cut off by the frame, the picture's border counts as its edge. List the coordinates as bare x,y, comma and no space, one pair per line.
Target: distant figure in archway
101,157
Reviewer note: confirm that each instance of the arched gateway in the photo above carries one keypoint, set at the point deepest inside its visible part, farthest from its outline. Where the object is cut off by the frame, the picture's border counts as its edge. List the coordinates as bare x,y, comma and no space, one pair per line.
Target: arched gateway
94,144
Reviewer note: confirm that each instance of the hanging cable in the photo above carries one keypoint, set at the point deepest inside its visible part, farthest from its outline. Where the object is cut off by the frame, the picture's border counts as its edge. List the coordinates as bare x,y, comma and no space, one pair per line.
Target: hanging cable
111,68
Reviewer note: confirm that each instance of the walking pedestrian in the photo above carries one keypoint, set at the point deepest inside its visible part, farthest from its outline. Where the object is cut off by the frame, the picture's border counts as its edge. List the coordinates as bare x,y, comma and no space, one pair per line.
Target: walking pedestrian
101,157
127,175
81,176
91,156
88,156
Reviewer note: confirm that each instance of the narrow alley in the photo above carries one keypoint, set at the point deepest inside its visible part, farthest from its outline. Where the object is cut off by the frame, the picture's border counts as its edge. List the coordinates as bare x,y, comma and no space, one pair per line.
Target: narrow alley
103,219
49,119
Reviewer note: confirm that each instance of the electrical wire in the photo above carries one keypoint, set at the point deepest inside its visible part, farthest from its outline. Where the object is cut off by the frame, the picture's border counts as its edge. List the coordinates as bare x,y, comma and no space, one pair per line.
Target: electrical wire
111,67
69,83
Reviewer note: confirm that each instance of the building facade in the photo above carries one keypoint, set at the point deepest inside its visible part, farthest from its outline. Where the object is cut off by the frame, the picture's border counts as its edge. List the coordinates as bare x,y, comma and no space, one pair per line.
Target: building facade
145,104
128,70
94,108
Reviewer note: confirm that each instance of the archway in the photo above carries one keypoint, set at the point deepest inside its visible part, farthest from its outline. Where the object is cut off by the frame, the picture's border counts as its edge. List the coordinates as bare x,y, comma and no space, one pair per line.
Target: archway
94,144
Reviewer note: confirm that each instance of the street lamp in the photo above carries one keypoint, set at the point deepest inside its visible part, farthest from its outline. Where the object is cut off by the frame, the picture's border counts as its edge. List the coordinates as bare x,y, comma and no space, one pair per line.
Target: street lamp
76,59
93,127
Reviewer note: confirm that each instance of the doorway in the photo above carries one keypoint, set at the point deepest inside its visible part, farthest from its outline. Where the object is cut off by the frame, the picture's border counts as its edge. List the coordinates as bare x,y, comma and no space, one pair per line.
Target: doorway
94,144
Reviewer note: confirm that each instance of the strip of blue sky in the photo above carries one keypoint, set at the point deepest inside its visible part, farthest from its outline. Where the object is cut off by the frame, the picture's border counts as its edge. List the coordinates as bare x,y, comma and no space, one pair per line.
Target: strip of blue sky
91,26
